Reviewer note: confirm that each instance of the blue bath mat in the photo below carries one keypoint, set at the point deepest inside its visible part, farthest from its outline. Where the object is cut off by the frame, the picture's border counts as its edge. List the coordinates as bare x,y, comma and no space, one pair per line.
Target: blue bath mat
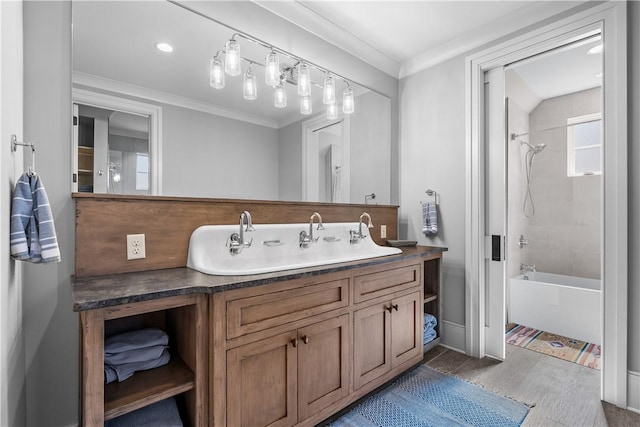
426,397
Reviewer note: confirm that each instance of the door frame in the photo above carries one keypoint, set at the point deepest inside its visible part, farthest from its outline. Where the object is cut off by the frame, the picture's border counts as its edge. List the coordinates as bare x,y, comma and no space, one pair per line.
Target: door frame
610,18
154,112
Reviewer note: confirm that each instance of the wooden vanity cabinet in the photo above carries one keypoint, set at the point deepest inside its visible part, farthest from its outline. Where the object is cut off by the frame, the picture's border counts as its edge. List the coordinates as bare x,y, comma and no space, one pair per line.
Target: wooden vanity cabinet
184,320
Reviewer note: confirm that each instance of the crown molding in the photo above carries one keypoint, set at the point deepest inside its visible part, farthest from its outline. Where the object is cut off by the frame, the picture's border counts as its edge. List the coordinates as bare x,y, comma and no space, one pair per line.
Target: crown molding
321,27
522,18
115,86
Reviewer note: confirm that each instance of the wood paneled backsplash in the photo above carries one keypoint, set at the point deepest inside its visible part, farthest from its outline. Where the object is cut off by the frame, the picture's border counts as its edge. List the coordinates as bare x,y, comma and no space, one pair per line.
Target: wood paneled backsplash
103,222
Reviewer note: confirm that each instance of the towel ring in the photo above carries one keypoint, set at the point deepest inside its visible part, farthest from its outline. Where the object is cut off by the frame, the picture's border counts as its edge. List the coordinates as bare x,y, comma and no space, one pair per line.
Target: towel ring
431,193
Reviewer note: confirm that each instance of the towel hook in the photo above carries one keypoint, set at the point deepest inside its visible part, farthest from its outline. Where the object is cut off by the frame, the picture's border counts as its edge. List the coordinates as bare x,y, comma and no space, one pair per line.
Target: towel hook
14,147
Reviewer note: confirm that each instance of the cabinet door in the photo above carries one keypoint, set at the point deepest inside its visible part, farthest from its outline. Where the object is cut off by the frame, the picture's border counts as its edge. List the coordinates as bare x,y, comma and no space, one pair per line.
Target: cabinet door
323,376
372,343
261,383
406,329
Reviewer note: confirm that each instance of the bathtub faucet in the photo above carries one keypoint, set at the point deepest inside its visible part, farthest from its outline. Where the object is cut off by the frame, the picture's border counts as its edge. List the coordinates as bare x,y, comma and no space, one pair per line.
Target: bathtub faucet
525,268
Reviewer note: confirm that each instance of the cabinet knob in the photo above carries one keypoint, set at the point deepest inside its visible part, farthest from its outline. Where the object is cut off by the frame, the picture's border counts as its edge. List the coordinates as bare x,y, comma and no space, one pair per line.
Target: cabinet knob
305,339
389,308
294,342
395,307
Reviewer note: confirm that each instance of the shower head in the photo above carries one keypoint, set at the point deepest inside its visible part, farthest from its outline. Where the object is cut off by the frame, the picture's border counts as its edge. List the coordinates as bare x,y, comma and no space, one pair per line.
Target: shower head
535,150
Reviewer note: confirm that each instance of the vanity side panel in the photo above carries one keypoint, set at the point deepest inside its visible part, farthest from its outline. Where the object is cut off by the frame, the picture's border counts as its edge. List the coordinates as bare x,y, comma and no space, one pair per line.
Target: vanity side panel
103,222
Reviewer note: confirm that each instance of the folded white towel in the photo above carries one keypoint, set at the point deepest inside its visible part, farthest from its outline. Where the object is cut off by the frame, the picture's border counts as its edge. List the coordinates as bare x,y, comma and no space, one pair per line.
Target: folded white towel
430,219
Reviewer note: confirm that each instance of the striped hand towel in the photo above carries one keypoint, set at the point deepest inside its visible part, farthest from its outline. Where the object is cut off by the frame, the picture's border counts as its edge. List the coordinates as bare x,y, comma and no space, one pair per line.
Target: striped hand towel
430,219
33,233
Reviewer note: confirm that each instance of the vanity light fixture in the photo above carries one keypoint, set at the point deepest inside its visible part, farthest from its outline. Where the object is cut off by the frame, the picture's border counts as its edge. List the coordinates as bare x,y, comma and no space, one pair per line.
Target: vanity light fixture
280,96
272,69
229,62
304,80
332,111
250,91
329,90
216,72
232,58
305,105
347,100
164,47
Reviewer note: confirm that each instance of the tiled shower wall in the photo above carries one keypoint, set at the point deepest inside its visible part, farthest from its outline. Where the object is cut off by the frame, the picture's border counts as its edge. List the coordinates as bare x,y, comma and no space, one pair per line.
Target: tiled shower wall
564,234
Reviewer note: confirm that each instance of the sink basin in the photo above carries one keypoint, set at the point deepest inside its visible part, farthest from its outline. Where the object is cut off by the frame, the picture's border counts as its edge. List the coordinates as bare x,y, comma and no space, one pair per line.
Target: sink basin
276,247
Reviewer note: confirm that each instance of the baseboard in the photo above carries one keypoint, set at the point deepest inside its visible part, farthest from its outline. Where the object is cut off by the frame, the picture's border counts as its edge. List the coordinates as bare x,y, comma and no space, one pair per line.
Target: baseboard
633,391
453,336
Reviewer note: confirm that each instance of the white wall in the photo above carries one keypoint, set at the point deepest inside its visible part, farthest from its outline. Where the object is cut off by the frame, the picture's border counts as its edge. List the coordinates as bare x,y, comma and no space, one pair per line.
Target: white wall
432,155
50,325
198,148
12,351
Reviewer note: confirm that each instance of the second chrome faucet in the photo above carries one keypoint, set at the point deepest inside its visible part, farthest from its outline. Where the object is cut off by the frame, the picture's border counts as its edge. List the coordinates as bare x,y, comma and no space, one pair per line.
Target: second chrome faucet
307,238
236,240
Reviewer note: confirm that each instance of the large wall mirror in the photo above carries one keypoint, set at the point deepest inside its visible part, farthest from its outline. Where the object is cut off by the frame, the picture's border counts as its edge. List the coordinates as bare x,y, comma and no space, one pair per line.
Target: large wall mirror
154,116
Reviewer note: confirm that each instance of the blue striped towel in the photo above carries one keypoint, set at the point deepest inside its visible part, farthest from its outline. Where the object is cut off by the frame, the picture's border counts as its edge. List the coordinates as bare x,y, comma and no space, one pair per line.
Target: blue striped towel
33,233
430,219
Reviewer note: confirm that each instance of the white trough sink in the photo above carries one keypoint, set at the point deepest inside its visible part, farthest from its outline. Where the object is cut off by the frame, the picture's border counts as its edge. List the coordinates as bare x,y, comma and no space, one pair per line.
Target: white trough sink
276,247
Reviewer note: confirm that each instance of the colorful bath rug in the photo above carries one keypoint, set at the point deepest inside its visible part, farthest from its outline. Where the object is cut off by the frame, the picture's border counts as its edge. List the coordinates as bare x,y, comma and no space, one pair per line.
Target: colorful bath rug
576,351
426,397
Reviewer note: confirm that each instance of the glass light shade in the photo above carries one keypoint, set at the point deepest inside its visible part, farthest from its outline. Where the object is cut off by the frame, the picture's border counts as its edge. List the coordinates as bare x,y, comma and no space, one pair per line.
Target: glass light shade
304,80
329,91
116,177
305,105
216,73
332,111
280,96
232,58
250,91
272,69
347,101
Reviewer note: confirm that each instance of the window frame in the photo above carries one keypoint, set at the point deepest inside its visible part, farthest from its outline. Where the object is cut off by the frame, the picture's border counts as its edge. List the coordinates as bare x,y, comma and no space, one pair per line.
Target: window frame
571,148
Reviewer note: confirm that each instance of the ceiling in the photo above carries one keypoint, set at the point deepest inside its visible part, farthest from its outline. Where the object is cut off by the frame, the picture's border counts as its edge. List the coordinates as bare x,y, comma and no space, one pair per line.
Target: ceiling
398,37
402,37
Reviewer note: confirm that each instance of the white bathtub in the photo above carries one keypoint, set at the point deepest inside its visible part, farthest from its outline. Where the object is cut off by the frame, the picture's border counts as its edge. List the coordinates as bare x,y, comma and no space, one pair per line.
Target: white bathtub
563,305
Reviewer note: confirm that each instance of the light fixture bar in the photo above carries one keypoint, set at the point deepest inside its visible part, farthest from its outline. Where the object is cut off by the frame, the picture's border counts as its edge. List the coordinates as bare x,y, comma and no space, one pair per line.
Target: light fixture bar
263,43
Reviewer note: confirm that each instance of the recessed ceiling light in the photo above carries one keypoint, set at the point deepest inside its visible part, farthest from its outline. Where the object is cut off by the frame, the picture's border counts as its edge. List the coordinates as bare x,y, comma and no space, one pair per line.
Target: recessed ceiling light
596,49
164,47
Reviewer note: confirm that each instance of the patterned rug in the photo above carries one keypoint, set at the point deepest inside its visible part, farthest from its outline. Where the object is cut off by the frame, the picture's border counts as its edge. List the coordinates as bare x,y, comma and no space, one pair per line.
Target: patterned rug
426,397
576,351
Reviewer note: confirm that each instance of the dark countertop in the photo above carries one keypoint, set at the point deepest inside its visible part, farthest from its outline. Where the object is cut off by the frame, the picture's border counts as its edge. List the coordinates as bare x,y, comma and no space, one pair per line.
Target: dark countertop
106,291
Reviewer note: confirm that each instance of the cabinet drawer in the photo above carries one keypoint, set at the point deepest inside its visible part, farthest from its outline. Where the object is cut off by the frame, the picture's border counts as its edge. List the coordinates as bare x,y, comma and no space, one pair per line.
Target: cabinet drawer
252,314
373,285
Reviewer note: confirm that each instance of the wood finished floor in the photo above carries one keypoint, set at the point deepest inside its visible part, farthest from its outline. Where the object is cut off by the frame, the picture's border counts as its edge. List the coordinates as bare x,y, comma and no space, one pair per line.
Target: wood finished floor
564,393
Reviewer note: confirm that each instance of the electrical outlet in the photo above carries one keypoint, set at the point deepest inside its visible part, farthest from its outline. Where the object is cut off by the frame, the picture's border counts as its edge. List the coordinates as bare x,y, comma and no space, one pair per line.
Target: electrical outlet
135,246
383,231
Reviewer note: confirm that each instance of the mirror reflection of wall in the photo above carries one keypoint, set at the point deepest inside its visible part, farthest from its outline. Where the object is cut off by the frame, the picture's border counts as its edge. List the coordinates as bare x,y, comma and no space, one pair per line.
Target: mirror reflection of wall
214,143
113,151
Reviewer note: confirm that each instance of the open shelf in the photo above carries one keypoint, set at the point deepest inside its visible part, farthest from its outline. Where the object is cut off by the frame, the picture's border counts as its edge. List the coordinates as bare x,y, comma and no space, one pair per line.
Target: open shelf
147,387
430,297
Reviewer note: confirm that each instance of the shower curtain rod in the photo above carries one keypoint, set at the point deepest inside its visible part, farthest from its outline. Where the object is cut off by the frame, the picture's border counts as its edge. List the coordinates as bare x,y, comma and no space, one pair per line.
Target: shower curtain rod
516,135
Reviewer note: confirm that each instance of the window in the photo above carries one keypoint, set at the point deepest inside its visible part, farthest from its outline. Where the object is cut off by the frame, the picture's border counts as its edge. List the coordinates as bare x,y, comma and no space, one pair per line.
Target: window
142,171
584,145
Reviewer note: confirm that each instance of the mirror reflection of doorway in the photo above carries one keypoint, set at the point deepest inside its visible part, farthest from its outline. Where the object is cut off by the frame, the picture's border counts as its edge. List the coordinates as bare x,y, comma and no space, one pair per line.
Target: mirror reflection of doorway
326,160
112,150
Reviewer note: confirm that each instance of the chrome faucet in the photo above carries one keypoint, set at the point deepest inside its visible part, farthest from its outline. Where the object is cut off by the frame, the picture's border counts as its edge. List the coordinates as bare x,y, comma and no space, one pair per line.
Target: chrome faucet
236,240
307,238
357,235
528,268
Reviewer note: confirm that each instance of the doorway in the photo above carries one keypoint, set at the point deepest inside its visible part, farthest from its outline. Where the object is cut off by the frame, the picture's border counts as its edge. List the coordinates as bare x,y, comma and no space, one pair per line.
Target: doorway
610,21
554,202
